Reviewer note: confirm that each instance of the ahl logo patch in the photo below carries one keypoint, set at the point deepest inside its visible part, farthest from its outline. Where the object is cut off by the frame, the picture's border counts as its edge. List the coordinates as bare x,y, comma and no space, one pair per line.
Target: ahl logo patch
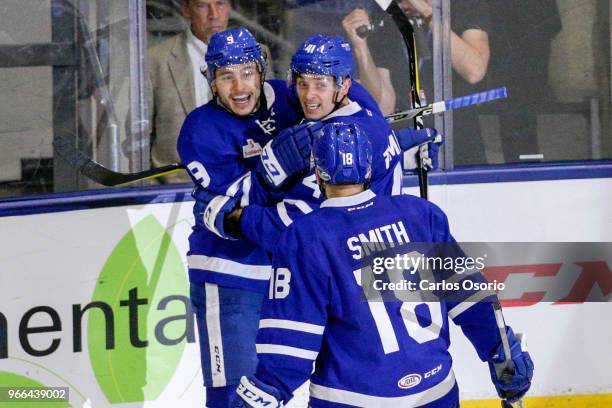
251,149
409,381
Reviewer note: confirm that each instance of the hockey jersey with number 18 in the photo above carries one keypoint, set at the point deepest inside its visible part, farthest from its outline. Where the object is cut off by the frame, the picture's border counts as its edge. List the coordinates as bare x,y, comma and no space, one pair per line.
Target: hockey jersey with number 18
366,354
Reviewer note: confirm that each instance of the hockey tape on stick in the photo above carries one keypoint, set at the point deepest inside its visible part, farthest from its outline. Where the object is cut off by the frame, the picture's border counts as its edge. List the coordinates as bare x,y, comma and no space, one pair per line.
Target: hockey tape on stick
451,104
508,366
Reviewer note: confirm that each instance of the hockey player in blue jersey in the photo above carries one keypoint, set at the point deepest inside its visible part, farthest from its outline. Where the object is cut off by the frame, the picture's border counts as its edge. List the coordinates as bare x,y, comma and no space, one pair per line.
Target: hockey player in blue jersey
365,354
321,71
220,144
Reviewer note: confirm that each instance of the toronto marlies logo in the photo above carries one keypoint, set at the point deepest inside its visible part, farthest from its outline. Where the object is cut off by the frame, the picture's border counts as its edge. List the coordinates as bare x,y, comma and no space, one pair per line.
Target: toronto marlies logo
268,125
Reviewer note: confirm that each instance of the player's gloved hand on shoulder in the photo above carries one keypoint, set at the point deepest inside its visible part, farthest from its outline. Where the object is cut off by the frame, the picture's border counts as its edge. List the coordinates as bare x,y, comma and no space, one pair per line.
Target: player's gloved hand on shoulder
511,386
287,154
253,393
427,141
210,210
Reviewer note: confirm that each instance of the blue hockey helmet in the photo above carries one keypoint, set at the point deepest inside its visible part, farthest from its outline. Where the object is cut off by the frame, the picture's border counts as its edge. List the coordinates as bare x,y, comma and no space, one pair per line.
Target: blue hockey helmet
342,154
321,55
232,47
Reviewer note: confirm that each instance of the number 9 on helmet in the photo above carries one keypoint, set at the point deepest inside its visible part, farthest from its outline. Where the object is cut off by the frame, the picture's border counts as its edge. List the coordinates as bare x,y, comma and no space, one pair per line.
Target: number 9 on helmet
233,47
342,154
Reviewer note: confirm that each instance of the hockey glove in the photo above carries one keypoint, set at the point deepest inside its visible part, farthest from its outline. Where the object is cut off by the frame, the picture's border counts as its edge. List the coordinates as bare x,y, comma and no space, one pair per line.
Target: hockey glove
511,386
253,393
287,154
427,141
210,209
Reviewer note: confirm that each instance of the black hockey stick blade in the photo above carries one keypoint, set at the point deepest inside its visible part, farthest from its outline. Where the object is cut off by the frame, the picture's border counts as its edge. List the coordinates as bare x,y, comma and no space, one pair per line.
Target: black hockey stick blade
100,174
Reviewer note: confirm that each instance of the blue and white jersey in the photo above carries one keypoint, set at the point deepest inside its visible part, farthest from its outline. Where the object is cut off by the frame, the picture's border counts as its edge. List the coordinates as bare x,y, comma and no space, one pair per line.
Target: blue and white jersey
264,224
365,353
221,151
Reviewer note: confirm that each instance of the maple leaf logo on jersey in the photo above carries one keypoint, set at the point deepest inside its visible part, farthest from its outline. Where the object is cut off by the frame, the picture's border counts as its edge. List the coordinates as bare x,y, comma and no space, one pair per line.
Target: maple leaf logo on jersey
269,125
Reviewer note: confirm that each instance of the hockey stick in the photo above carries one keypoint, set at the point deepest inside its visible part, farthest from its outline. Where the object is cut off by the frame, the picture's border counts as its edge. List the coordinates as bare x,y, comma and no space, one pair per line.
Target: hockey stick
107,177
508,367
407,31
450,104
100,174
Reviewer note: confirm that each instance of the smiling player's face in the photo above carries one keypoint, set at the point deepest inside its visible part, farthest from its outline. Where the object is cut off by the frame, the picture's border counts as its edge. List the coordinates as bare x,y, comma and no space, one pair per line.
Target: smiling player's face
239,87
318,94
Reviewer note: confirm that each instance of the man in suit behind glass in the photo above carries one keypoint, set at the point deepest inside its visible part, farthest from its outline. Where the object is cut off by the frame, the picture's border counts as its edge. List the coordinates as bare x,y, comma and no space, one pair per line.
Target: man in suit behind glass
176,84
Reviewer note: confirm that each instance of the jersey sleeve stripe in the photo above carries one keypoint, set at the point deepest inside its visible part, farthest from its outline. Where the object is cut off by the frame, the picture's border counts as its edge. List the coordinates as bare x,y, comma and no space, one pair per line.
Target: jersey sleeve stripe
396,189
235,186
211,211
282,213
214,264
246,190
281,208
291,325
363,400
469,302
286,350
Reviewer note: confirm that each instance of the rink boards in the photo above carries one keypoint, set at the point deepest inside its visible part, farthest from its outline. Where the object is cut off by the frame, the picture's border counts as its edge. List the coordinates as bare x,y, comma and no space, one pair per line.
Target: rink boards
94,294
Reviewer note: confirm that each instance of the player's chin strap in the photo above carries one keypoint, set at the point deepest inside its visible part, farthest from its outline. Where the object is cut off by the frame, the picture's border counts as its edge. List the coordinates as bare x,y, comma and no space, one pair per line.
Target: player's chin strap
338,103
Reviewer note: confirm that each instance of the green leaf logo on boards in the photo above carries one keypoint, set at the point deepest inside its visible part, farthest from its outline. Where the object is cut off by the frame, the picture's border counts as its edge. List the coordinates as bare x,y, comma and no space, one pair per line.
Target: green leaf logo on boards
135,348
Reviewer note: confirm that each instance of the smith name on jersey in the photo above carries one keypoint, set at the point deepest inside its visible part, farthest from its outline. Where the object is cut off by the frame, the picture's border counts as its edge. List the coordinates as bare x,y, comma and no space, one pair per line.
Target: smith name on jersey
366,353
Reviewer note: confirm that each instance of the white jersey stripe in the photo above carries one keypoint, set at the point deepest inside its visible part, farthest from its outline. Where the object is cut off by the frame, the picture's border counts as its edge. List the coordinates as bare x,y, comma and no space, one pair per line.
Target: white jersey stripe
213,328
234,187
396,189
291,325
286,350
211,211
281,209
214,264
469,302
246,189
282,214
370,401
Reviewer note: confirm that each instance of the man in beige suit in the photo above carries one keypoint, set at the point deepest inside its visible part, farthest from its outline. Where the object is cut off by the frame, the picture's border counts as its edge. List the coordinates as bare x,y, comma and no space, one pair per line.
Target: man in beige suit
176,85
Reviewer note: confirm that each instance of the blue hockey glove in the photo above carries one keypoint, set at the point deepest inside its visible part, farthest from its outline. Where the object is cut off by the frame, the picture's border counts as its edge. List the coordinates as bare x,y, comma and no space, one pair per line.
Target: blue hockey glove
287,154
210,209
427,141
253,393
511,386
